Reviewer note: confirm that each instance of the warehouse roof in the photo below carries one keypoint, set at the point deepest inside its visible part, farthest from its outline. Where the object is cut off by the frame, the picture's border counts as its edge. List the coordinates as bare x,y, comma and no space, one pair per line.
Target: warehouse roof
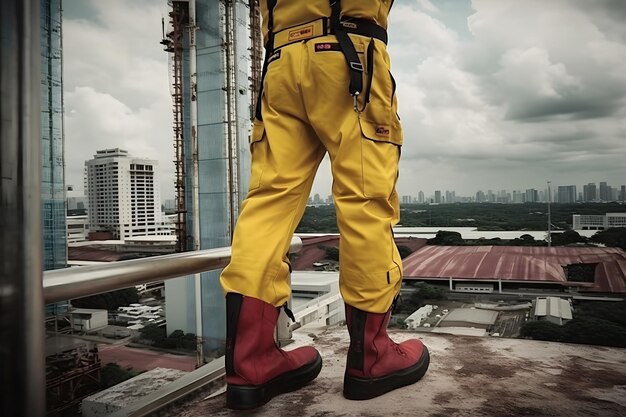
519,263
553,306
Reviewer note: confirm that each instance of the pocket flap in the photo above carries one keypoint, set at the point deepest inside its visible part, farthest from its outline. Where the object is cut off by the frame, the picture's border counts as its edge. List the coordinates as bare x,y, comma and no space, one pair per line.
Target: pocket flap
258,129
379,132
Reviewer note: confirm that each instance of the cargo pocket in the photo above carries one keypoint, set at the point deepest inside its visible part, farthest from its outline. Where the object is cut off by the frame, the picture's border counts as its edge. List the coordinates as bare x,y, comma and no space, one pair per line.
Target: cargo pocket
380,154
258,152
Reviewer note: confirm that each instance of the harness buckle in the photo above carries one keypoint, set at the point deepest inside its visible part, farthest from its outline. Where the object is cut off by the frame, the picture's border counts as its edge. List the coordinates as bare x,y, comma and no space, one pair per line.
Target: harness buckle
357,66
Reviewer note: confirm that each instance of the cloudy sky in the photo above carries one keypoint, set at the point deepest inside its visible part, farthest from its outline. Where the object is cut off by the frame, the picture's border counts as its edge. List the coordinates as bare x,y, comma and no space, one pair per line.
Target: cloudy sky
494,94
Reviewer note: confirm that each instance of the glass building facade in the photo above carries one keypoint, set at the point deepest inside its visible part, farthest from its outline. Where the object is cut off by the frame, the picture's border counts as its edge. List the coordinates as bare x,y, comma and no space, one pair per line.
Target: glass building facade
52,140
213,156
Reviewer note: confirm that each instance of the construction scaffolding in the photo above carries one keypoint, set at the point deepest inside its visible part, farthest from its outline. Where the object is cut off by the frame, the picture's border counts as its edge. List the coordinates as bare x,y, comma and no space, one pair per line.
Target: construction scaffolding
71,375
256,54
173,44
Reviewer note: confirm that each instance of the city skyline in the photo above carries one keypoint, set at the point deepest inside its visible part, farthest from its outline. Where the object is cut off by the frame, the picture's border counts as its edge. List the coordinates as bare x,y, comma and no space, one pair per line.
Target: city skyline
483,100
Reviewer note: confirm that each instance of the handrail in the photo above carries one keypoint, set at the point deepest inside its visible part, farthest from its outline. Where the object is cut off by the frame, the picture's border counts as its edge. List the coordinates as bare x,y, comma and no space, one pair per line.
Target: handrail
76,282
175,390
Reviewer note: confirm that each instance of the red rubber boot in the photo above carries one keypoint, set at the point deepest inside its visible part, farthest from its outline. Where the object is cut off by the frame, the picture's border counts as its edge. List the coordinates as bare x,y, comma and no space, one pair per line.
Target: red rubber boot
376,364
256,369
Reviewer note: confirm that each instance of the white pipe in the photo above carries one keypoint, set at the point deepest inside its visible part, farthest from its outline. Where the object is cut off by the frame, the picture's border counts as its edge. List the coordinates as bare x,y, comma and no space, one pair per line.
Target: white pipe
194,173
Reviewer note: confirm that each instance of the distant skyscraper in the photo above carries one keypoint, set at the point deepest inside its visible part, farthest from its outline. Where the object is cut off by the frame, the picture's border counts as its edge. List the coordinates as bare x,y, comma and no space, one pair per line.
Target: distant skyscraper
566,194
52,143
605,192
518,197
623,193
590,192
503,197
532,196
491,197
420,197
124,195
438,197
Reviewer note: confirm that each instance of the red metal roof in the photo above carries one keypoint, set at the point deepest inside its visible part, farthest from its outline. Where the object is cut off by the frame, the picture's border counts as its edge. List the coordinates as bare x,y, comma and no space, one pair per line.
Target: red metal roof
519,263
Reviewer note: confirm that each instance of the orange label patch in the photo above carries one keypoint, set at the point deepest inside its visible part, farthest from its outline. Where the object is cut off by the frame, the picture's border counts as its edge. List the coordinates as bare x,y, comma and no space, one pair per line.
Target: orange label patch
301,33
382,131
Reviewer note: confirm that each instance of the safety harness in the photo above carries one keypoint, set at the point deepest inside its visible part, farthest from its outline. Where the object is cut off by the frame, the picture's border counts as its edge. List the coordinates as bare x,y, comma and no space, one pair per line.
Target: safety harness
333,25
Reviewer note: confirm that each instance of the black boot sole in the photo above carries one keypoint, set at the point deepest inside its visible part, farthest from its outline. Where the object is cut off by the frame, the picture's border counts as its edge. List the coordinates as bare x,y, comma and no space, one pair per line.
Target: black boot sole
246,397
366,388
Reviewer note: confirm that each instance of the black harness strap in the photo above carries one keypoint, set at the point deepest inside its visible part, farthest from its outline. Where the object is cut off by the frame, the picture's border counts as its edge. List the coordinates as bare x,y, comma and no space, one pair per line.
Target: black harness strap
340,29
347,47
269,49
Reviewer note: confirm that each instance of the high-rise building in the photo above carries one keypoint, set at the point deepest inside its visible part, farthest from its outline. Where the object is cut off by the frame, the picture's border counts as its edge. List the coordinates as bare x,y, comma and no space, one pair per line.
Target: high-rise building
52,139
124,195
503,197
532,195
438,197
518,197
623,193
566,194
605,192
590,192
218,42
420,197
480,196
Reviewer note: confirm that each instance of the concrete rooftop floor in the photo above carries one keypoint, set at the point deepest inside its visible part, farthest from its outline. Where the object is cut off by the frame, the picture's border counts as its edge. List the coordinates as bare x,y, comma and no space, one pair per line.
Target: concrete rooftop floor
468,376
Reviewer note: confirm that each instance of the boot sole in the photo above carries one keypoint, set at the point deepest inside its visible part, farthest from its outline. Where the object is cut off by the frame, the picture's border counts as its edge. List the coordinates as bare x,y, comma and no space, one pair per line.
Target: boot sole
246,397
366,388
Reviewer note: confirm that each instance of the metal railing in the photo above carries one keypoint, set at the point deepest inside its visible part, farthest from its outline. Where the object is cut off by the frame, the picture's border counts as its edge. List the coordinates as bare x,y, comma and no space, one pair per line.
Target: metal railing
76,282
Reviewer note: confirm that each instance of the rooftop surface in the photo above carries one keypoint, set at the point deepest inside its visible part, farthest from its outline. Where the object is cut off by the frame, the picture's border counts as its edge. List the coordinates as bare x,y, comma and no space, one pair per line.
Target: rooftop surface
519,263
468,376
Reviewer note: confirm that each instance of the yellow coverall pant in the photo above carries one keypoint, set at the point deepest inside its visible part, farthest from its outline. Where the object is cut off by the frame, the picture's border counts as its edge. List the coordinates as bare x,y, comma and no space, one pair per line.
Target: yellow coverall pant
308,111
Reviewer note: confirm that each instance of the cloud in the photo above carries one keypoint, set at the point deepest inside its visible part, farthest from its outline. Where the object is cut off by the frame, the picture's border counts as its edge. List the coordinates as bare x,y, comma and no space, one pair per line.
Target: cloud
116,85
536,92
96,120
507,94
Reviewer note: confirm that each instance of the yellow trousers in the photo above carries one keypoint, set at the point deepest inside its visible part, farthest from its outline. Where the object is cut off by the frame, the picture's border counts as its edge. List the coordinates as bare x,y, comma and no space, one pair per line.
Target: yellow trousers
308,111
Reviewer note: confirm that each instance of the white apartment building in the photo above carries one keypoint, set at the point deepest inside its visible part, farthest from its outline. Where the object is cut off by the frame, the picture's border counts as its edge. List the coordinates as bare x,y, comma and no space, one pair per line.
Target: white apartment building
123,194
598,222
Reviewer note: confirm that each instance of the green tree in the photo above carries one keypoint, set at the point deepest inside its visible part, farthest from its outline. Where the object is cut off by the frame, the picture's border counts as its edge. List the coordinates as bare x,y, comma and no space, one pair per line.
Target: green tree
541,330
404,251
593,331
444,237
612,311
112,374
154,333
612,237
568,237
109,301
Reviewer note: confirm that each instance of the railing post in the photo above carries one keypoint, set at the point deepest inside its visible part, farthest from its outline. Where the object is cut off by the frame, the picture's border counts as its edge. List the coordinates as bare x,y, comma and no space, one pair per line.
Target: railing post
22,362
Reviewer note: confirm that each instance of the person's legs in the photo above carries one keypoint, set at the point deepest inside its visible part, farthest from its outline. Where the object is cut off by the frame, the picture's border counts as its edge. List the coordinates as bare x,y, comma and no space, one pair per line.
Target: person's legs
364,148
285,157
